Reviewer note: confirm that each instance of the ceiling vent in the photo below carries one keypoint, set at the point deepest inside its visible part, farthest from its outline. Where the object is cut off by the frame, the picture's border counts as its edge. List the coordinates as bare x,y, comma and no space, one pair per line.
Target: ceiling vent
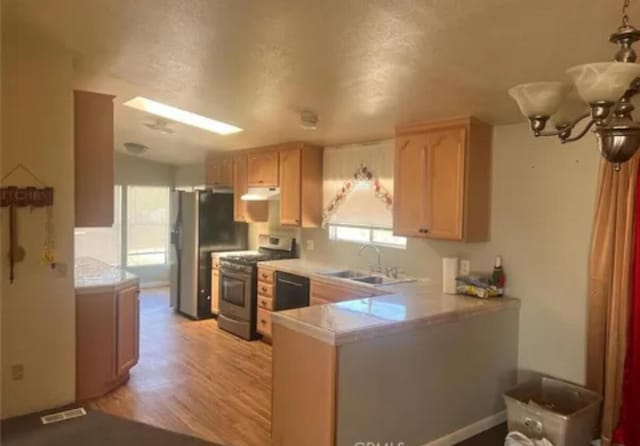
133,148
160,125
308,120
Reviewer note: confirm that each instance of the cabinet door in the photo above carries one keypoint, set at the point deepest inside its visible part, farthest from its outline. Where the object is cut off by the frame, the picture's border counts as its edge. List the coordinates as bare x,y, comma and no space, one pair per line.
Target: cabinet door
213,171
263,169
128,329
409,214
290,186
246,211
226,171
239,187
96,348
94,159
445,183
215,291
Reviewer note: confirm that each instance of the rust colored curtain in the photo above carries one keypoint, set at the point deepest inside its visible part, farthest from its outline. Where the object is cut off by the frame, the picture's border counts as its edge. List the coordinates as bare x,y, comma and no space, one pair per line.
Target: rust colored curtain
610,287
628,432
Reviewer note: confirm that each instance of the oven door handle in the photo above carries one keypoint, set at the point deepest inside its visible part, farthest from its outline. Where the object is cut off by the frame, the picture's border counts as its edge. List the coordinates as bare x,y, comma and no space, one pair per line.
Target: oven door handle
234,275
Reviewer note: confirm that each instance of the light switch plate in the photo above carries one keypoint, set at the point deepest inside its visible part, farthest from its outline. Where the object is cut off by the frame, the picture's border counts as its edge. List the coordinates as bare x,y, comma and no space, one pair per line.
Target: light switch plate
465,267
310,244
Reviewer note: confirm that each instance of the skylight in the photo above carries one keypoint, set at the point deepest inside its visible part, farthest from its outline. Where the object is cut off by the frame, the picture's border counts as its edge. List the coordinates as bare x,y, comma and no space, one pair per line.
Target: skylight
182,116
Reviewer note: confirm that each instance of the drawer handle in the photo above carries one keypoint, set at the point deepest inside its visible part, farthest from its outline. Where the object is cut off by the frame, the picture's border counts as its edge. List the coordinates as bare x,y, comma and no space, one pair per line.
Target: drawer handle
264,289
263,322
264,303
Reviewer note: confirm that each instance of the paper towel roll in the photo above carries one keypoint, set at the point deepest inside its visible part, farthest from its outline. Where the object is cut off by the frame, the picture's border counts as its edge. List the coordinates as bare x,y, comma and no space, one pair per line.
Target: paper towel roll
449,273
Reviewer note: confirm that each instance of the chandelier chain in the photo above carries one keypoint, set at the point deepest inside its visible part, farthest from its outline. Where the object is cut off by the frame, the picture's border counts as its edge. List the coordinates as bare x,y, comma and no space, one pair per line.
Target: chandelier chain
625,14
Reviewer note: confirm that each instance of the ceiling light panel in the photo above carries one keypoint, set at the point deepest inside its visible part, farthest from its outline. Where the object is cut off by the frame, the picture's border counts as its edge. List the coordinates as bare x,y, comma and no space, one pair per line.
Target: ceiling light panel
182,116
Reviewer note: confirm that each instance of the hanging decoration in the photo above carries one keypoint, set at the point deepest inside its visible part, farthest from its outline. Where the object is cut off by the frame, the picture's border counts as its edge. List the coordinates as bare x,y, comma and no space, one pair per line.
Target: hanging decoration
32,197
362,174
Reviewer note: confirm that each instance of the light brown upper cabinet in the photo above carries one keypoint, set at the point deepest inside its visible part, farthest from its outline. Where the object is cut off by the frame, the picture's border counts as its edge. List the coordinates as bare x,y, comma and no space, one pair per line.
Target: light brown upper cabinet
442,180
263,169
94,154
301,186
245,211
219,170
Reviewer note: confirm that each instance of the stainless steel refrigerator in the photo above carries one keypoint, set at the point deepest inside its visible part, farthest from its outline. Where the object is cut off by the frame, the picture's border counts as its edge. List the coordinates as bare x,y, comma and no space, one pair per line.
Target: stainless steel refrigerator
202,223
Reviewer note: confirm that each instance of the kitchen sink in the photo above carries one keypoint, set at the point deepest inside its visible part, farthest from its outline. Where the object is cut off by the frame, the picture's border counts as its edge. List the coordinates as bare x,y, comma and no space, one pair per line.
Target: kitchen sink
365,277
346,274
374,280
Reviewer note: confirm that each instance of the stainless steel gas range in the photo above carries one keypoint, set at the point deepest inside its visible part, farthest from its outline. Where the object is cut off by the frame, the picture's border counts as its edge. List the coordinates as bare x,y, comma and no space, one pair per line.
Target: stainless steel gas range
238,284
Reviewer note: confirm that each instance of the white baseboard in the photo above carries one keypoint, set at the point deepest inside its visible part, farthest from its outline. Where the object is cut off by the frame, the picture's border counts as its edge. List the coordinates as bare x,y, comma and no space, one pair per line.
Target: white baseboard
470,430
161,284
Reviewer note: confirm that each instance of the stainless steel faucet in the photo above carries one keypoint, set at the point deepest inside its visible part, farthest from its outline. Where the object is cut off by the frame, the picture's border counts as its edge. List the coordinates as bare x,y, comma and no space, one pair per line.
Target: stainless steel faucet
379,265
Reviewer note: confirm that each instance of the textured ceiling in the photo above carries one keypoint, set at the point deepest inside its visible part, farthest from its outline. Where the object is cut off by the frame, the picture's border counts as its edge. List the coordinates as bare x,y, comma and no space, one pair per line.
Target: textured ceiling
362,65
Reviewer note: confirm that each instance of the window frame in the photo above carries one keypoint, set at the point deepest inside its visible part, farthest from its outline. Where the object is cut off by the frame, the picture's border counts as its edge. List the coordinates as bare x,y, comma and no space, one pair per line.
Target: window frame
332,230
126,223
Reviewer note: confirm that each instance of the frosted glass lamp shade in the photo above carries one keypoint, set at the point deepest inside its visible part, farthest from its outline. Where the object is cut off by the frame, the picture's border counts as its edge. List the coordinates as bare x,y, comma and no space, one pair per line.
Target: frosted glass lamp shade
539,98
572,108
604,81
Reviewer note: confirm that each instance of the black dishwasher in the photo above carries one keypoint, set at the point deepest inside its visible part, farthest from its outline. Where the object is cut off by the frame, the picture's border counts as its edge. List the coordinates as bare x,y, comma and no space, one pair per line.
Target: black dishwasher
292,291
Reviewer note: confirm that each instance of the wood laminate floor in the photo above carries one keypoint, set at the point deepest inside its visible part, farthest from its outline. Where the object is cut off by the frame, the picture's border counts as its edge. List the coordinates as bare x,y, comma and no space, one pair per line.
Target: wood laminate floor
198,380
195,379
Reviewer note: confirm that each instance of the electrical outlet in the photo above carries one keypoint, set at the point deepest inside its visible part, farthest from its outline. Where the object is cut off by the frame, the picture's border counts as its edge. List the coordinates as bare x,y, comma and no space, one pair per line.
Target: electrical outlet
465,267
17,372
310,245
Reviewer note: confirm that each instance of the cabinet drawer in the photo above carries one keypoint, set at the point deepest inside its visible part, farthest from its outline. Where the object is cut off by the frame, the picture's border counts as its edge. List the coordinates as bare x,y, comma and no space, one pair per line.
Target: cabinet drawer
265,275
266,289
265,302
264,322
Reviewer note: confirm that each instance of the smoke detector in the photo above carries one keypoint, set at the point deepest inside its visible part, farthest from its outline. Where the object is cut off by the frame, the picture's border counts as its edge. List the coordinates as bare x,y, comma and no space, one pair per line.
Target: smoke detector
308,120
160,125
134,148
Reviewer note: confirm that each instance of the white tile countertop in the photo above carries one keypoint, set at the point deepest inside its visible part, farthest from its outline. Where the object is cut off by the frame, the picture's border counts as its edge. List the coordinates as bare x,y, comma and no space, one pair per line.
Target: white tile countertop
408,305
93,276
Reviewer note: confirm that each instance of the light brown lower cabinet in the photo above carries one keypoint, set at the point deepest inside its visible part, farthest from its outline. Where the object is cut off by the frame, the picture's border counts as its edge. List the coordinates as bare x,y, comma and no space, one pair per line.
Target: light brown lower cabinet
402,383
215,290
107,340
304,390
266,301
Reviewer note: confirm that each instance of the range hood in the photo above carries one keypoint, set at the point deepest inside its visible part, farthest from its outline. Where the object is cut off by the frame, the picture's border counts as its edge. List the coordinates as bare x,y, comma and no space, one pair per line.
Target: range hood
261,194
203,187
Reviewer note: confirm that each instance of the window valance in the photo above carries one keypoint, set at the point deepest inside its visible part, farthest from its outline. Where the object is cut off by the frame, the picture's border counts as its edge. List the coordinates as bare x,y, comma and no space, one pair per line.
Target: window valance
358,185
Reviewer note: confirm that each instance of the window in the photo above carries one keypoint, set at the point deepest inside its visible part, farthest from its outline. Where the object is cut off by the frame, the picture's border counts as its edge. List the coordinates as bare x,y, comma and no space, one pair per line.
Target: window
103,244
382,237
147,225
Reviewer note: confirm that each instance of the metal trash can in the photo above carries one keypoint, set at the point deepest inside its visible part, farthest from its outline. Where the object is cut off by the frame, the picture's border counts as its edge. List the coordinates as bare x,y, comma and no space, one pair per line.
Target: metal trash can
563,413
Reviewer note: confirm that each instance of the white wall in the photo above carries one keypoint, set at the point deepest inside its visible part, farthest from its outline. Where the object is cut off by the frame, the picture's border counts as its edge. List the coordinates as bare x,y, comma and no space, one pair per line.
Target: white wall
38,309
132,170
189,175
542,209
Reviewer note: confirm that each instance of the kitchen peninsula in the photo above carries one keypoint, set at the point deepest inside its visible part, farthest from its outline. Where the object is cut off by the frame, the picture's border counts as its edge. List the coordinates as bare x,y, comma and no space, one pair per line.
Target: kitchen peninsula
412,365
107,327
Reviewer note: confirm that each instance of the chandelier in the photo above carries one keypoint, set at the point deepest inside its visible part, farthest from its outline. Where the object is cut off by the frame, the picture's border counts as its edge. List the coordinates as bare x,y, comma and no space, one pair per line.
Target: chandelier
598,98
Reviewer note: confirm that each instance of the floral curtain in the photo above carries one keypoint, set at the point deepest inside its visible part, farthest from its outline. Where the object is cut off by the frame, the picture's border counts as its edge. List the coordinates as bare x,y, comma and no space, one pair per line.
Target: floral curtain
358,184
